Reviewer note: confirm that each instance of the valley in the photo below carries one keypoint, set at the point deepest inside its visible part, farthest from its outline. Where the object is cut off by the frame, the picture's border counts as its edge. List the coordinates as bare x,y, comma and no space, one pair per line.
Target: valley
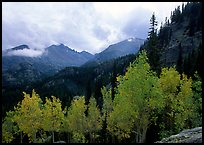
134,91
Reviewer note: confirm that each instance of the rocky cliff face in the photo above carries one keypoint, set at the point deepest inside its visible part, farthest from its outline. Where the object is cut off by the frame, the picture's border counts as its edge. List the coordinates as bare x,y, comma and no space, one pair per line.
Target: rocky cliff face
170,53
187,136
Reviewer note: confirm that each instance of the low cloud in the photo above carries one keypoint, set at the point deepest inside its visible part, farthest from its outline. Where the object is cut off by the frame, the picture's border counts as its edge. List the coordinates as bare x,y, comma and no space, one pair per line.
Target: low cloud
26,52
81,26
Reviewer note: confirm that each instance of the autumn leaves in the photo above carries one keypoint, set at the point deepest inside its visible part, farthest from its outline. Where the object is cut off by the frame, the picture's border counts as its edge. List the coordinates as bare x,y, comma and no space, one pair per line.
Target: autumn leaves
169,101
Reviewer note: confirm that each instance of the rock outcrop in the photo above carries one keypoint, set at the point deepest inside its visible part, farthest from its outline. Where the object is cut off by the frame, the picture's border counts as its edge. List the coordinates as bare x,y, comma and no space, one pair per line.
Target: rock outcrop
187,136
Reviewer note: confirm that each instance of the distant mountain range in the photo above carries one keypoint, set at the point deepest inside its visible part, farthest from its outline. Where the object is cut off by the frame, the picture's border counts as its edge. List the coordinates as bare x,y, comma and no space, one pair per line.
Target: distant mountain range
128,46
56,56
20,69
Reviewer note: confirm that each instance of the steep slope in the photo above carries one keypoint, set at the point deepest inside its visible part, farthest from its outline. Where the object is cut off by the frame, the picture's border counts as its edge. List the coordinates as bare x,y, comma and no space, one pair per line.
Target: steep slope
19,69
65,84
122,48
179,42
62,56
72,81
180,37
128,46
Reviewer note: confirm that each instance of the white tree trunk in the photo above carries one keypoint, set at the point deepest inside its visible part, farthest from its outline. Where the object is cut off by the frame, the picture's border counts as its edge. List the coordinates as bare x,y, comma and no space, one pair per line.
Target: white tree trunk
21,137
53,137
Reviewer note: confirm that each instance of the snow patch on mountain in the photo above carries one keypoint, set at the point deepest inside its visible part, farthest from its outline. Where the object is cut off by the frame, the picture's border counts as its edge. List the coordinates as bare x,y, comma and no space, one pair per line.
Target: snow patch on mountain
130,39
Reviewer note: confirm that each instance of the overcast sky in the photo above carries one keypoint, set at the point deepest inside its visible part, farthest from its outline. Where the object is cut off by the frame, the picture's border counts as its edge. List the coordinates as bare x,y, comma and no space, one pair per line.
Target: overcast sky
89,26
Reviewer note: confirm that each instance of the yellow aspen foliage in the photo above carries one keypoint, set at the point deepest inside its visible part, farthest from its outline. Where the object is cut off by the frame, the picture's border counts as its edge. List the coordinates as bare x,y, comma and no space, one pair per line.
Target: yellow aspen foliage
107,101
138,96
9,129
94,120
76,119
178,94
28,115
53,115
196,118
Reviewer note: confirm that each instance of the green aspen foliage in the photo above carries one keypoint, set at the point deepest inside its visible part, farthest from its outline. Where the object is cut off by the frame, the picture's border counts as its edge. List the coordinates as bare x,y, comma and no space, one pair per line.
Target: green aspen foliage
76,119
107,101
94,120
178,101
79,137
197,91
196,118
9,128
138,96
28,115
170,103
53,115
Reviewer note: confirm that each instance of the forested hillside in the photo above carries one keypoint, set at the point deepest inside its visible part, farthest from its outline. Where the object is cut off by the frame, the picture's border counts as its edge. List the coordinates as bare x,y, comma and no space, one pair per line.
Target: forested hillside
178,41
163,102
70,82
19,69
137,98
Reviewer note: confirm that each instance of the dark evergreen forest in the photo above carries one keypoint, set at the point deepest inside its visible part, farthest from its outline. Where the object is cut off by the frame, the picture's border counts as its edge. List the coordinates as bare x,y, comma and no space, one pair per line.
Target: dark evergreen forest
136,98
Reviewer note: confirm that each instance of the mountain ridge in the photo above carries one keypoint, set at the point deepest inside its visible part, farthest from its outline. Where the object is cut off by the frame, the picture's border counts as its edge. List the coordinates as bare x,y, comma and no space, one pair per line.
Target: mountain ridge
56,57
122,48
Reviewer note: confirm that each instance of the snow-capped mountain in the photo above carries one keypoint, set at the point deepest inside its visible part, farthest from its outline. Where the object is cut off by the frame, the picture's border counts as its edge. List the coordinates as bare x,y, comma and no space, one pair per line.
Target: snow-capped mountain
128,46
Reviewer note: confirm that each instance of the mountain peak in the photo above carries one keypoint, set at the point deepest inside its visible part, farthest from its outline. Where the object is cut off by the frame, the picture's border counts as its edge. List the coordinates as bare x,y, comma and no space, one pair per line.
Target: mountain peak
84,52
61,45
57,45
20,47
122,48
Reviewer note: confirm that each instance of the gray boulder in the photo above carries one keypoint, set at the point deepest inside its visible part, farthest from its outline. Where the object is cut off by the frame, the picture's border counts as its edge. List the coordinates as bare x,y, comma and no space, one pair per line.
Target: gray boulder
187,136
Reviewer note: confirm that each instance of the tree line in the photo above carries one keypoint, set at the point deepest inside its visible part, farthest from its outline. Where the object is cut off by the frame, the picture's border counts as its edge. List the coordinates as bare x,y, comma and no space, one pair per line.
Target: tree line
190,14
170,102
144,101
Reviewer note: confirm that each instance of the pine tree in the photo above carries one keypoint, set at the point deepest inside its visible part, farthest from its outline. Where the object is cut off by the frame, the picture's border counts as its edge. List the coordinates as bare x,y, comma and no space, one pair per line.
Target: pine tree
186,64
97,92
152,45
176,15
106,110
166,21
183,7
196,118
113,80
199,61
153,24
88,91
